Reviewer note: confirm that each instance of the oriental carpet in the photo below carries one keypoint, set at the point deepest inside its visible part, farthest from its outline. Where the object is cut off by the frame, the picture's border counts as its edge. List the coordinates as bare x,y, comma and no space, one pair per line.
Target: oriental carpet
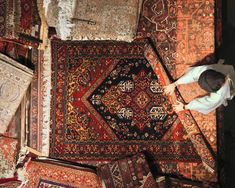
108,103
14,81
44,174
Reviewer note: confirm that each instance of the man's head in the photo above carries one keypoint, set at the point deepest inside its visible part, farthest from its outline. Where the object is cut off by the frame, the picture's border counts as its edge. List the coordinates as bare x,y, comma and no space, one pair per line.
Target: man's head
211,80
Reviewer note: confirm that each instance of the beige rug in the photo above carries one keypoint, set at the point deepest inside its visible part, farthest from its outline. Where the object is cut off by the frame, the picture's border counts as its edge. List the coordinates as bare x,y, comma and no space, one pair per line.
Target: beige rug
14,81
94,19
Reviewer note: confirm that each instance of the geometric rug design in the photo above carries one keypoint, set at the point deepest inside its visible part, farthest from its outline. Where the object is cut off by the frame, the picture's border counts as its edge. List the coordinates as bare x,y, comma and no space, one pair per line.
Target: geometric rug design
86,127
132,103
107,103
128,172
46,183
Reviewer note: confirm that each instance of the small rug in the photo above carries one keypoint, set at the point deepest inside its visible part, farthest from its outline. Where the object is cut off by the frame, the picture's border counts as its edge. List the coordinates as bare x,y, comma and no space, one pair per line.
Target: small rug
42,174
108,103
129,172
34,57
28,21
109,20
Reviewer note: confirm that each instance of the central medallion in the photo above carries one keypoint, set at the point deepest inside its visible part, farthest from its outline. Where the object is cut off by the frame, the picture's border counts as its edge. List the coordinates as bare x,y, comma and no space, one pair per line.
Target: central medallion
142,99
131,101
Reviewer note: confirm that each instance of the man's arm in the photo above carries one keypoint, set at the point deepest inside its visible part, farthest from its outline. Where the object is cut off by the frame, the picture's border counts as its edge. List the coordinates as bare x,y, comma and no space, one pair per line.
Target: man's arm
192,75
205,104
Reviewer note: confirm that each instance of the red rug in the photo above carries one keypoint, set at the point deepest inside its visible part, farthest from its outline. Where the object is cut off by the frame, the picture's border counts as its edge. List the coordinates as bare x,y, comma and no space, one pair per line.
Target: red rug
108,103
130,172
183,31
7,19
159,22
45,174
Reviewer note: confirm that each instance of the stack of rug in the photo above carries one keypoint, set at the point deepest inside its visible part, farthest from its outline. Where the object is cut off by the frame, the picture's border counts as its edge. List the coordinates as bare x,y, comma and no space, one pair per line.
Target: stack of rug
107,99
108,102
20,21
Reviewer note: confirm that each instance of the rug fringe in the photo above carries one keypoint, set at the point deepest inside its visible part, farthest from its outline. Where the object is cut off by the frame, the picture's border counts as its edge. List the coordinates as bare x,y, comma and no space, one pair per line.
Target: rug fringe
207,167
46,88
65,24
21,172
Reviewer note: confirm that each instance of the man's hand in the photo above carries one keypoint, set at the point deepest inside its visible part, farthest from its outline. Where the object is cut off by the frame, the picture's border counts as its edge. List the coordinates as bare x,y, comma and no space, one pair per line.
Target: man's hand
179,106
169,89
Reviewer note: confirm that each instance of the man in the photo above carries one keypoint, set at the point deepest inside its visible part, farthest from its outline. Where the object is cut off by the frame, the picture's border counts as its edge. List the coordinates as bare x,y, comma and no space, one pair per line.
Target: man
217,79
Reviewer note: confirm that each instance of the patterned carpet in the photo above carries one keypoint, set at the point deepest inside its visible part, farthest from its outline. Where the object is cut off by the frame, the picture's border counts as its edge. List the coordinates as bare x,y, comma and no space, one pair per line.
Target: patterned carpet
183,31
44,174
20,24
206,169
107,97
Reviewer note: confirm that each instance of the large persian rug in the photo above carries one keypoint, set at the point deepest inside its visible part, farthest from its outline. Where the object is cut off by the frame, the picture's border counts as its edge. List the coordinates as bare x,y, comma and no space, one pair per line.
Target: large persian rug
108,103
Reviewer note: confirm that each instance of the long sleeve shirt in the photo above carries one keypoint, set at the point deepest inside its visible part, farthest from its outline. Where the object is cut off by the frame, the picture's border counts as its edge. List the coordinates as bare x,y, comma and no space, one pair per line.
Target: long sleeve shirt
210,102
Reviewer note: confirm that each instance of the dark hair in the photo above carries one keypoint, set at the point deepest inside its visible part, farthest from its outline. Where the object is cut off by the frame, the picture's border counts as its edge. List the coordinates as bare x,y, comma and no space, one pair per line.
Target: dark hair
211,80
